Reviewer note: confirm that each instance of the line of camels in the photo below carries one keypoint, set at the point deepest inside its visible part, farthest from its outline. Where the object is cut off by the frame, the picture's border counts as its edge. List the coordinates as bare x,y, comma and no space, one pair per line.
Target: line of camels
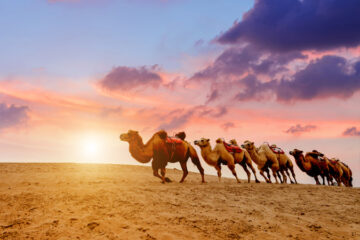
162,149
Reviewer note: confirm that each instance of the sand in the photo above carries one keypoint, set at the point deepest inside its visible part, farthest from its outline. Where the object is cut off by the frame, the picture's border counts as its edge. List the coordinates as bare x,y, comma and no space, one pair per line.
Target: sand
94,201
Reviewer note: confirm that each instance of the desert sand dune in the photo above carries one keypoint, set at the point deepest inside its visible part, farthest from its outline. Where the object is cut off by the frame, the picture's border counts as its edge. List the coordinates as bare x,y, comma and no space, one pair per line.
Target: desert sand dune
91,201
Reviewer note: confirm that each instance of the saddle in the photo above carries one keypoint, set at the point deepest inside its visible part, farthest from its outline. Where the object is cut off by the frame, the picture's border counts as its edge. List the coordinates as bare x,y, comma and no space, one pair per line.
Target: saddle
276,149
173,140
232,148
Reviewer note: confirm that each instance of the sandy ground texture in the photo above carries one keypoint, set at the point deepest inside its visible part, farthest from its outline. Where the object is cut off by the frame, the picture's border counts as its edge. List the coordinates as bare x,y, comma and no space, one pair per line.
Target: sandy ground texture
92,201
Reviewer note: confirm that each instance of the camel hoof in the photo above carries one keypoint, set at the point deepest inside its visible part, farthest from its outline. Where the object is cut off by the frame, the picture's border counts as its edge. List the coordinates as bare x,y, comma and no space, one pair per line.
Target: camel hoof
203,182
167,180
257,181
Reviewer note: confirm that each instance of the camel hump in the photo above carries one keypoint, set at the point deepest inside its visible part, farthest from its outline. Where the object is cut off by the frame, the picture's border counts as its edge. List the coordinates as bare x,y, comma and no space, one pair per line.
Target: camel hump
181,135
162,134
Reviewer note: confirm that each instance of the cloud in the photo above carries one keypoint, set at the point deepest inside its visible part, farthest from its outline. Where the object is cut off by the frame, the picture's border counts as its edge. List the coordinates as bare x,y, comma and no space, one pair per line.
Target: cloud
236,61
298,25
180,117
298,129
330,76
124,78
226,126
178,121
11,115
352,132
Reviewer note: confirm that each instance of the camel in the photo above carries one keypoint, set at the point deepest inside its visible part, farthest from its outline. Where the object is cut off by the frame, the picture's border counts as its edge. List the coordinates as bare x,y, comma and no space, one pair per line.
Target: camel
163,150
243,159
347,175
217,156
285,164
310,164
324,166
336,170
264,158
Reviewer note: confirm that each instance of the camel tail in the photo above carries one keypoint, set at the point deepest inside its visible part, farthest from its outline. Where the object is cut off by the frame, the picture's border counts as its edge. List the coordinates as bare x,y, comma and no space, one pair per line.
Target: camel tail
195,158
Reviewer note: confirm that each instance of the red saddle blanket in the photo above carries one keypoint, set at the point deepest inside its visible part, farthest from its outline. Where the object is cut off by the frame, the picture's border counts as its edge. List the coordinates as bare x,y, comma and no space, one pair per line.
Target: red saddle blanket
276,150
173,140
232,148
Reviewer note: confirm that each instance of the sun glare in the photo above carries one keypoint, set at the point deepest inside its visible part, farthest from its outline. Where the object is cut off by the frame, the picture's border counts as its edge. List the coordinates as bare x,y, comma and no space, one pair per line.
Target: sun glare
91,149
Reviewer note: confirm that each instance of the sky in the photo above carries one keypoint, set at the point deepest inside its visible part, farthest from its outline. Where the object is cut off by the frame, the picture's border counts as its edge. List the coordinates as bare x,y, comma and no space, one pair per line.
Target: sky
74,74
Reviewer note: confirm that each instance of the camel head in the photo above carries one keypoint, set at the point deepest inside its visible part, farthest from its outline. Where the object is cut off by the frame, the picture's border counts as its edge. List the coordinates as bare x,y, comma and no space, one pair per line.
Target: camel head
203,142
130,136
233,142
248,145
295,152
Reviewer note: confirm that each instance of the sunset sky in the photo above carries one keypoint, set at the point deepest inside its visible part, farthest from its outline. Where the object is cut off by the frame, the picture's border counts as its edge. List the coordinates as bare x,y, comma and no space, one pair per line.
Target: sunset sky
74,74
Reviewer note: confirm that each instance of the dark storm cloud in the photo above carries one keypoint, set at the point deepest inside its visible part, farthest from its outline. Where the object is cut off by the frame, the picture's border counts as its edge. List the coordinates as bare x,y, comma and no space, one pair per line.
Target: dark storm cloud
289,25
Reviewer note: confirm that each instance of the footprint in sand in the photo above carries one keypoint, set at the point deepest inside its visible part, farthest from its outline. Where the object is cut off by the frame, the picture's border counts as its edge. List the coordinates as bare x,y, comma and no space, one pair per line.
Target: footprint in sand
92,225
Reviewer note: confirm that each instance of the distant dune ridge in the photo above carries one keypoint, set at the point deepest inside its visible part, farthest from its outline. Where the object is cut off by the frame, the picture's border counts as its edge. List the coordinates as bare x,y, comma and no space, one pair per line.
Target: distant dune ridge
95,201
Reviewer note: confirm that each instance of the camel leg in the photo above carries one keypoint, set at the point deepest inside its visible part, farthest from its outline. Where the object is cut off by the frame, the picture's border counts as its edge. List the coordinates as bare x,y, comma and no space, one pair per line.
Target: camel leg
243,164
218,169
262,174
338,180
323,178
284,176
274,174
278,175
185,171
288,174
268,173
329,180
293,174
232,169
163,171
317,180
253,170
195,159
156,173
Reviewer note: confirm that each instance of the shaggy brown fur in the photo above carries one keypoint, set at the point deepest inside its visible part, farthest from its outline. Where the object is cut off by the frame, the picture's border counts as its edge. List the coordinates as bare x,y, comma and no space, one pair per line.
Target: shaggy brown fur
162,153
336,170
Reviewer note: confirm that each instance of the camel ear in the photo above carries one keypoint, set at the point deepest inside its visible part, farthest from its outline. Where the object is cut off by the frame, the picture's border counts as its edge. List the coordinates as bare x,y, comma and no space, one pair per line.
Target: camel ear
208,140
252,143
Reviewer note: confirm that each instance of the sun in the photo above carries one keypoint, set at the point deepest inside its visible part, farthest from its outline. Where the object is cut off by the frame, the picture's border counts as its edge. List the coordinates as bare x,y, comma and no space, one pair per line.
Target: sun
91,148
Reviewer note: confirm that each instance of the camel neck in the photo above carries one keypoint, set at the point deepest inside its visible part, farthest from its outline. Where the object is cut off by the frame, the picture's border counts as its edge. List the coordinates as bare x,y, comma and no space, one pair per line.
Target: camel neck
254,155
142,153
209,155
299,159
